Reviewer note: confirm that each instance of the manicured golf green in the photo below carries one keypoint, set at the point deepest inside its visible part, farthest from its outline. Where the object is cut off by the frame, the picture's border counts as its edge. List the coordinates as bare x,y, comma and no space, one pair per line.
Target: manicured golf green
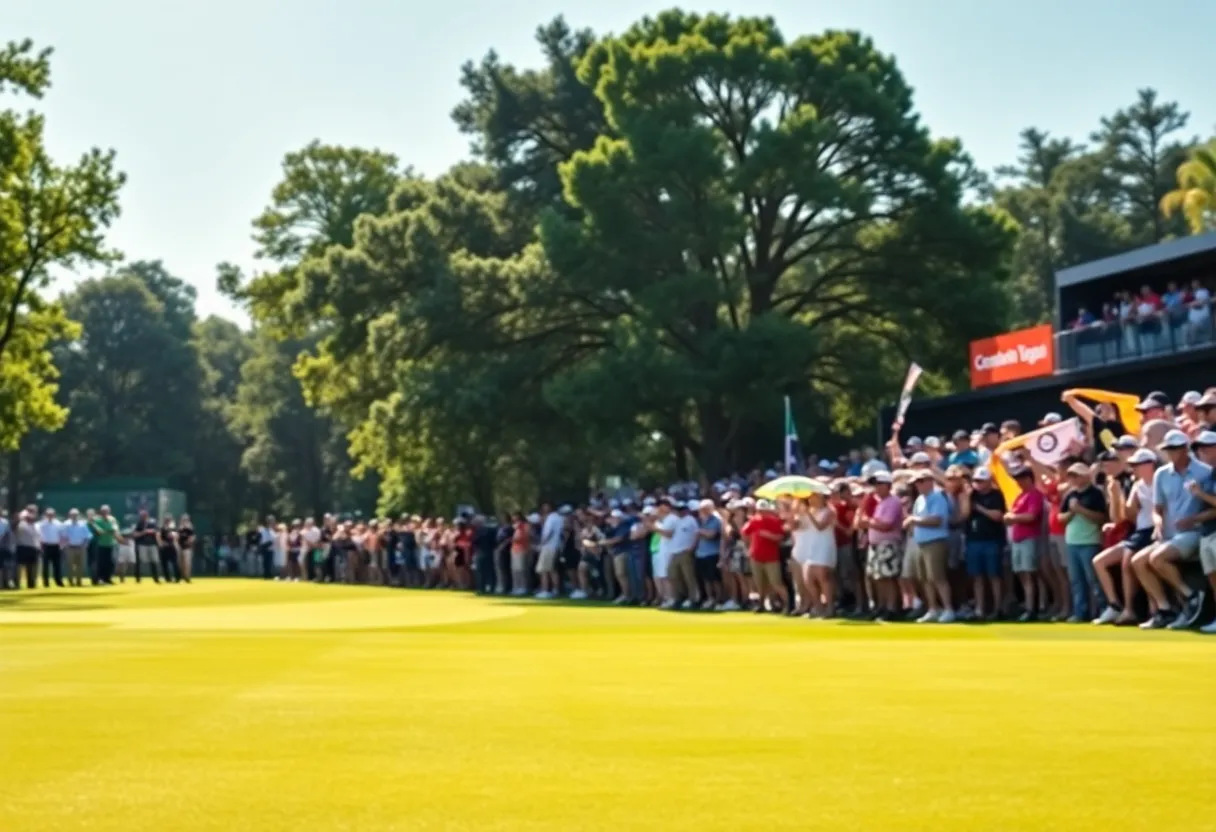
244,706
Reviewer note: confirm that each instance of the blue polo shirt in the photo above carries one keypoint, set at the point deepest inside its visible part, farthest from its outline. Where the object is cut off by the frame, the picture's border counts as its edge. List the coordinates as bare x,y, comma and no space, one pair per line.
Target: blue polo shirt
933,504
1169,490
710,547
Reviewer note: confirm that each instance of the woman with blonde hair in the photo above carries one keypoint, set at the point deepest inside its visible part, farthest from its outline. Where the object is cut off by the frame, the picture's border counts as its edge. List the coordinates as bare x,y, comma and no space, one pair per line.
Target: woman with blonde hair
813,529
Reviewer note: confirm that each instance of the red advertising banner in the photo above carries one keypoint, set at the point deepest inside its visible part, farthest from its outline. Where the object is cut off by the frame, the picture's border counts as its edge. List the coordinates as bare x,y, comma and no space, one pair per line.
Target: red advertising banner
1013,356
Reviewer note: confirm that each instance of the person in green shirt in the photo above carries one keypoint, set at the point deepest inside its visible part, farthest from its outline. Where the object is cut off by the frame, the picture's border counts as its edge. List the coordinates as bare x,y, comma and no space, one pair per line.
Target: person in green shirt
105,532
1083,511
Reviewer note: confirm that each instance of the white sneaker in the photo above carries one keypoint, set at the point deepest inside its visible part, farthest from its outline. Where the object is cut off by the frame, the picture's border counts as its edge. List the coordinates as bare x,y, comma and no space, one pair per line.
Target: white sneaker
947,617
707,604
518,593
687,605
1109,616
620,601
928,618
578,595
728,606
1209,629
668,605
543,596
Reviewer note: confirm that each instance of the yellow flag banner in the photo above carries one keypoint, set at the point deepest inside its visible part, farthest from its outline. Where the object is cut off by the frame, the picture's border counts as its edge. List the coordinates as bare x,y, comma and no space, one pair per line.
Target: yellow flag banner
1047,445
1124,403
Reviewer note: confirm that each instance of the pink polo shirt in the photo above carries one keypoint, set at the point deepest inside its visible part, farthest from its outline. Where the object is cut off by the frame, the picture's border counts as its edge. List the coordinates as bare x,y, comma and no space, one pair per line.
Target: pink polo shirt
1028,502
889,510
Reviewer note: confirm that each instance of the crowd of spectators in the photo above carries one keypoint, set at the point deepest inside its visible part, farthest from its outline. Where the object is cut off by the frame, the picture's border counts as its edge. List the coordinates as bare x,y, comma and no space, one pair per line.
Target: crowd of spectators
1142,323
1116,531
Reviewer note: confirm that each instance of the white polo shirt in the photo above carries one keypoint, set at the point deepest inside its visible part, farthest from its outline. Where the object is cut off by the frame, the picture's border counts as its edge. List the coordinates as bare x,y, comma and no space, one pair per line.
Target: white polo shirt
50,531
668,546
686,533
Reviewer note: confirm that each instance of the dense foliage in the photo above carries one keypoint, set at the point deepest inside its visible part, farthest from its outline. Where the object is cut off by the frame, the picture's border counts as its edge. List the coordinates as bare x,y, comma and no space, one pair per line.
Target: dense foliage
658,236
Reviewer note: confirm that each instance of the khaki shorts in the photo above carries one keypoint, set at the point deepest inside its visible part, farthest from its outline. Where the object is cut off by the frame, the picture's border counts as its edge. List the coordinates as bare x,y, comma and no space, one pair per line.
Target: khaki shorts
1025,555
767,577
546,561
911,567
1207,554
933,561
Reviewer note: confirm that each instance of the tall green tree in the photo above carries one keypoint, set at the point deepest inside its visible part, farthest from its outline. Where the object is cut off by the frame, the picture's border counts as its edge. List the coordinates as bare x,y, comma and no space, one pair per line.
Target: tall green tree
131,382
51,215
220,489
765,212
1140,149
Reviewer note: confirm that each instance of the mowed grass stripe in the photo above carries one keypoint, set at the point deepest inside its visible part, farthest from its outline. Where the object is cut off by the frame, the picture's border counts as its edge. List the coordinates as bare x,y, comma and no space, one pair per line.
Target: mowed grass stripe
564,718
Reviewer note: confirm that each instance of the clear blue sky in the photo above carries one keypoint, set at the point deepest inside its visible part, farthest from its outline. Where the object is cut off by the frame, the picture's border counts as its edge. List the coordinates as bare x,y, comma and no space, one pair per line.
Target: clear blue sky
201,98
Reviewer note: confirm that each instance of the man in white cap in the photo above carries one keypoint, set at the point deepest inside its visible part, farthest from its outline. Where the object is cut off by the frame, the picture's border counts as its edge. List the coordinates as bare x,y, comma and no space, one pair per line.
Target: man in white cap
682,571
1176,510
983,508
764,533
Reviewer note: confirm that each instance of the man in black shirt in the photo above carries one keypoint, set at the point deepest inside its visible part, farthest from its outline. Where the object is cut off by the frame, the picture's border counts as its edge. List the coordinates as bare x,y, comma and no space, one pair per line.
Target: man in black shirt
485,538
146,551
982,508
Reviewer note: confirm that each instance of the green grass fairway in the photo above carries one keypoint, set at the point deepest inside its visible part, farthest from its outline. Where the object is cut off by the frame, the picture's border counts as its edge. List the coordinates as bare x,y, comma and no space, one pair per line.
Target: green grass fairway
241,706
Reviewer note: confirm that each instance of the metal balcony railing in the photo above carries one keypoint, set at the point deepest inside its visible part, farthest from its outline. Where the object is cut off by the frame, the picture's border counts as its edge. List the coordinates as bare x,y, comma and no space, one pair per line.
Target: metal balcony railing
1162,333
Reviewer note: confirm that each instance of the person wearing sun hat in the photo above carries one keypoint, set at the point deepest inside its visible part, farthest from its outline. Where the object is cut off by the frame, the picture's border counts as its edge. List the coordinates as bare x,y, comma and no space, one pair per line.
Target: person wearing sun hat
1025,520
1176,512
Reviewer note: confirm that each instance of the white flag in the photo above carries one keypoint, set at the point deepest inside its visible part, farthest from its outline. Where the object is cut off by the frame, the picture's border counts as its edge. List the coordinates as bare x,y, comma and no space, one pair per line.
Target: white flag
905,396
1050,444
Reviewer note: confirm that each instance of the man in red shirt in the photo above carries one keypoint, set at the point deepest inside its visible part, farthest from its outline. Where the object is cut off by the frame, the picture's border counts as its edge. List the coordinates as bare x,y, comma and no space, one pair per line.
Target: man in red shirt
764,533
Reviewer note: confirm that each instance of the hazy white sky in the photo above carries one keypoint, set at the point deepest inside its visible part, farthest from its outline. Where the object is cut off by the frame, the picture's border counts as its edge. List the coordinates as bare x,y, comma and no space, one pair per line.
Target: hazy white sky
202,99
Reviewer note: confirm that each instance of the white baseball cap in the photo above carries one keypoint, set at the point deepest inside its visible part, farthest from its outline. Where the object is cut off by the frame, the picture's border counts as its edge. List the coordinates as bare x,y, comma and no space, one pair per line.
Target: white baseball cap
920,458
1190,397
764,505
880,476
649,510
982,474
1052,419
1206,439
706,504
1174,440
1141,456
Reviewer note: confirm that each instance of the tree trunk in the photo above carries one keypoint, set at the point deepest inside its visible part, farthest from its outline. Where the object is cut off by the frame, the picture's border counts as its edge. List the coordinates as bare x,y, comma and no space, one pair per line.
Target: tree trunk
714,446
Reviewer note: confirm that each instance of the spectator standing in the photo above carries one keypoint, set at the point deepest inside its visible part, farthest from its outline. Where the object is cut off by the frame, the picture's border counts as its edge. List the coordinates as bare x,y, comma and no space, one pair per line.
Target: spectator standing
550,544
883,527
146,552
708,554
682,571
983,511
764,533
666,522
929,525
813,528
1025,519
50,532
1083,512
105,535
28,546
76,534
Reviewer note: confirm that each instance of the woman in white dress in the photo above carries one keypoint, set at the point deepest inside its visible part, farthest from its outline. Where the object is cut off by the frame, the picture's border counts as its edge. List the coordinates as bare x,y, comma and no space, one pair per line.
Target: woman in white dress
813,529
